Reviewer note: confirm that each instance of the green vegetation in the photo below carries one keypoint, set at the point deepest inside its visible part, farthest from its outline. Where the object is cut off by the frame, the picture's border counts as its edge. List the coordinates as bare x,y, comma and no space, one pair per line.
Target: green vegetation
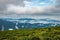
52,33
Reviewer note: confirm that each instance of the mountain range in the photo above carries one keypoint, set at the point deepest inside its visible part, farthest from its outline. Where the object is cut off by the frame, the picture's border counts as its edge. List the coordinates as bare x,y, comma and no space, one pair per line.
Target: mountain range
11,24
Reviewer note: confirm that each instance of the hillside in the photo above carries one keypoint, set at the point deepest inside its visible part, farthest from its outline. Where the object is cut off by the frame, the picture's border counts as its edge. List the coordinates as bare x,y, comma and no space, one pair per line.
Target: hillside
52,33
27,23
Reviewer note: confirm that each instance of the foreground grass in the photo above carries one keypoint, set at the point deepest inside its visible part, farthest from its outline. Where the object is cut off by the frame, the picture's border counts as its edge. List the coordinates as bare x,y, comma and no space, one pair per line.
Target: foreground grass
52,33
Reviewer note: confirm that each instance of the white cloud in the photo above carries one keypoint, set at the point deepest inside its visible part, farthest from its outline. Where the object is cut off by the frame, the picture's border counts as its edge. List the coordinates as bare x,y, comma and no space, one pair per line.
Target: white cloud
12,8
27,4
30,8
27,9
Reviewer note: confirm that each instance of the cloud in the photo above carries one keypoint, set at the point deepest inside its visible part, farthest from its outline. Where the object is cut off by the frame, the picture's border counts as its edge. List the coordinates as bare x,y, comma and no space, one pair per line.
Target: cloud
31,7
27,9
4,3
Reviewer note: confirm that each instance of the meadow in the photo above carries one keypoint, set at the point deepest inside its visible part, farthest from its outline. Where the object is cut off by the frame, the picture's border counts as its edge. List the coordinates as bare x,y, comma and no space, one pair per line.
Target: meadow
52,33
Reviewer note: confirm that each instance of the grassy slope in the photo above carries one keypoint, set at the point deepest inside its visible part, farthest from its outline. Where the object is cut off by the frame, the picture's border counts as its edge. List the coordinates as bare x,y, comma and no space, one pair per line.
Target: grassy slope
52,33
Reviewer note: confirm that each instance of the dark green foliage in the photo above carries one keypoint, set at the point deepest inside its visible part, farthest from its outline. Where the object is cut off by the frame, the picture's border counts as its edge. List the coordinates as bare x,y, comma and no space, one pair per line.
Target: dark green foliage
35,38
52,33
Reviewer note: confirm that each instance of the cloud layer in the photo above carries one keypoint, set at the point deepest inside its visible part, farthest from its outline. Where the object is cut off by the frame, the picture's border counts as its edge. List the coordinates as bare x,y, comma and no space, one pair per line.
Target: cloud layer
29,7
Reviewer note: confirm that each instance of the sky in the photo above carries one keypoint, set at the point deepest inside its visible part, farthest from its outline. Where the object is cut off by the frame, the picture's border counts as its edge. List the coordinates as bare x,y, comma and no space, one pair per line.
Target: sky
30,8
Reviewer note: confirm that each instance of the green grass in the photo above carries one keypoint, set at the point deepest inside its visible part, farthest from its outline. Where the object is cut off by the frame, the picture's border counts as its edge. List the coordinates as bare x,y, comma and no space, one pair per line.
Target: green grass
52,33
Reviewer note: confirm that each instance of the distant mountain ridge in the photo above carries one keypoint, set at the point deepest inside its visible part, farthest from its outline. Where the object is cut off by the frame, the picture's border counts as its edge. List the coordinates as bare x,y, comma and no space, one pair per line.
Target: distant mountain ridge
27,23
32,20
